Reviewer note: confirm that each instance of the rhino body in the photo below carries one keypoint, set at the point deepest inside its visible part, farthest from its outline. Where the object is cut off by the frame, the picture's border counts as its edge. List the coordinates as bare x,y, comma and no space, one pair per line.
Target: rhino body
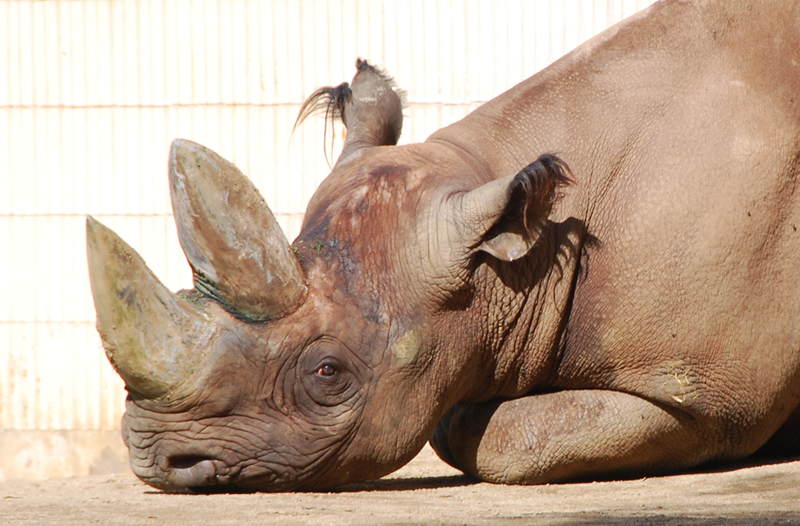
593,275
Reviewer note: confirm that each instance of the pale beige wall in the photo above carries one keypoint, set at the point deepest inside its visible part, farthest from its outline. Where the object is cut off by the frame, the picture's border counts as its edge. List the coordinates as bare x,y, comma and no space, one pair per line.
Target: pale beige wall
92,92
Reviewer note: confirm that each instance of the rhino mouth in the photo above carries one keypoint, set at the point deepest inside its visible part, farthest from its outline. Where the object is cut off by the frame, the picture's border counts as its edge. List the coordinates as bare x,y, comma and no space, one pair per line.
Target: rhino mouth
190,471
186,461
185,471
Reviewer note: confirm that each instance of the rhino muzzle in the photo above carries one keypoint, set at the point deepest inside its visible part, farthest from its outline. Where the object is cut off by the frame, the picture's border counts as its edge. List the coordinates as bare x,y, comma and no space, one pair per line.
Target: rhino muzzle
156,339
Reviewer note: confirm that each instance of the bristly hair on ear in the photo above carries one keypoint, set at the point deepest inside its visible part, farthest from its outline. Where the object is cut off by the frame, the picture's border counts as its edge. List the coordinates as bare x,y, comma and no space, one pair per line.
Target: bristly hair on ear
538,186
328,101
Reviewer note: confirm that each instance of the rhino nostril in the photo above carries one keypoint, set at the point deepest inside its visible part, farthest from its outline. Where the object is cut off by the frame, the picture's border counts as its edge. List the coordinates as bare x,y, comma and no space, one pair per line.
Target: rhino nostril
185,461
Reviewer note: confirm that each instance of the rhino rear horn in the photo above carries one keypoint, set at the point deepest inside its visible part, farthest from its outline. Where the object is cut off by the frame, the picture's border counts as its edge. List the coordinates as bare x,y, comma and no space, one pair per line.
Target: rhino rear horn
146,329
237,251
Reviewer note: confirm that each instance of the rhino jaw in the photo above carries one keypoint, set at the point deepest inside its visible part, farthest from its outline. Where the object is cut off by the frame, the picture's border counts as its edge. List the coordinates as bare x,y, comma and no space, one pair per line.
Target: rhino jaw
154,339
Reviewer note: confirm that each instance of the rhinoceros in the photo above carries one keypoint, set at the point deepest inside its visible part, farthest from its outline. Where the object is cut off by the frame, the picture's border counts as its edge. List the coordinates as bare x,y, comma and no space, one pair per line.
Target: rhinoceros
594,275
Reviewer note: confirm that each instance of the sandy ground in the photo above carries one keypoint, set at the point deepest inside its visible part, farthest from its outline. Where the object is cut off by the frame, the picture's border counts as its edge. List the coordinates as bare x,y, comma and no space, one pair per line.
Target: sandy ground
424,492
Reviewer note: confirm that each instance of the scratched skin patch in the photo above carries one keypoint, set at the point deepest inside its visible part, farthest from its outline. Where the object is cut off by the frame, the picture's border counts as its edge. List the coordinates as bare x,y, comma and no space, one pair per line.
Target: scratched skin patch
678,382
406,349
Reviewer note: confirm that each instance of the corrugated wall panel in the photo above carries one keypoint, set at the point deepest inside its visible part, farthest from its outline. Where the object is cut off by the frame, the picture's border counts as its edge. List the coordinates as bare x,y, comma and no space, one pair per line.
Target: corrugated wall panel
96,90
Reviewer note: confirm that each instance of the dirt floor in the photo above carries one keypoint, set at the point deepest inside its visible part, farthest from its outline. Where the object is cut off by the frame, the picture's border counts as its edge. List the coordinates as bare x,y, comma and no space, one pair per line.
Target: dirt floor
424,492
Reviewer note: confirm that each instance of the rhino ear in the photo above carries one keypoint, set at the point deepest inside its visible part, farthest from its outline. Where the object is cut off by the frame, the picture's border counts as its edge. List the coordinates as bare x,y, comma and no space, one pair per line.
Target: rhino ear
373,113
371,107
505,218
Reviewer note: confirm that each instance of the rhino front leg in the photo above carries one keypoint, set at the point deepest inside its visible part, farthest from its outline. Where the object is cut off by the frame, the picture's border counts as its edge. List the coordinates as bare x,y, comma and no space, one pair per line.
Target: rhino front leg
568,435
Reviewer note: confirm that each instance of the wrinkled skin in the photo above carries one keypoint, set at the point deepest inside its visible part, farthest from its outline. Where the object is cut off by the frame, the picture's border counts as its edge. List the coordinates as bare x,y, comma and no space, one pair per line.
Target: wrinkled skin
641,320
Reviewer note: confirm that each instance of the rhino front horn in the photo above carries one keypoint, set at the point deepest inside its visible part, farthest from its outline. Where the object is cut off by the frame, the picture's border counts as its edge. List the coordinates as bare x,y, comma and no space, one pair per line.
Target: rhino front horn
153,338
234,245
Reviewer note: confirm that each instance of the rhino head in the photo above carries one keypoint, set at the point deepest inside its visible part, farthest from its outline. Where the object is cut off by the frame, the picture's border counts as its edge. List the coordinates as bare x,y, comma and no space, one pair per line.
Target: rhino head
330,360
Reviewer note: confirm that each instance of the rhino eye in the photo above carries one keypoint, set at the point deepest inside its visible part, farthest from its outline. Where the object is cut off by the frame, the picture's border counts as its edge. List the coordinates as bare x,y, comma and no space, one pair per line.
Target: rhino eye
327,373
327,370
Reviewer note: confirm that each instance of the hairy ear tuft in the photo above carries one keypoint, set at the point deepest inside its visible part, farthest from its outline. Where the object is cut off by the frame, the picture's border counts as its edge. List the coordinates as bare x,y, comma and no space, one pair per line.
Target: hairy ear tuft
327,101
537,187
507,217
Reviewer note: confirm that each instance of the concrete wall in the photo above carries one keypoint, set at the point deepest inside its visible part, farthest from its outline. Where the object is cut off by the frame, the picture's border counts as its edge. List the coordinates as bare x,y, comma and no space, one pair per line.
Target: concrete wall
93,92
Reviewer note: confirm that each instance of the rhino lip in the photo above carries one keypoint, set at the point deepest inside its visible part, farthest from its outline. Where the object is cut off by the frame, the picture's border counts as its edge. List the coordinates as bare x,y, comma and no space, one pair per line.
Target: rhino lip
189,471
